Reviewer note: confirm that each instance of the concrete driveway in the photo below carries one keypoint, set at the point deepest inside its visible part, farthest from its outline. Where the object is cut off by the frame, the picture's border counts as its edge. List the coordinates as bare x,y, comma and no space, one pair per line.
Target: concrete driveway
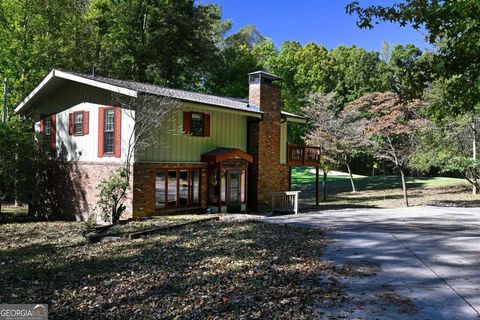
406,263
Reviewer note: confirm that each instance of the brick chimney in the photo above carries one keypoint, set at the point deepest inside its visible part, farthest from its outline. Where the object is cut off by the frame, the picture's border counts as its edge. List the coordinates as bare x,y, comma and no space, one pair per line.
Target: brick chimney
266,174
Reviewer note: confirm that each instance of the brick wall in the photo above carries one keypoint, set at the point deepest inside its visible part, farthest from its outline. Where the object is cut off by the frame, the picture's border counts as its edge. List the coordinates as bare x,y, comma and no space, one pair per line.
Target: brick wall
75,186
267,174
144,187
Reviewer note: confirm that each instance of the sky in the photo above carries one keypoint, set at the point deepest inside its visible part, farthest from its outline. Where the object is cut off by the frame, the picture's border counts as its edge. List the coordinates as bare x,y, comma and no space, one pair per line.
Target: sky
321,21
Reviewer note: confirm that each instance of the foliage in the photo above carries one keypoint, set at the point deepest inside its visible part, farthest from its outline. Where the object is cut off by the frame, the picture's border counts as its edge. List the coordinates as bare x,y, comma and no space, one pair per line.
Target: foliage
39,35
240,53
391,125
111,197
172,43
454,28
148,113
447,145
340,138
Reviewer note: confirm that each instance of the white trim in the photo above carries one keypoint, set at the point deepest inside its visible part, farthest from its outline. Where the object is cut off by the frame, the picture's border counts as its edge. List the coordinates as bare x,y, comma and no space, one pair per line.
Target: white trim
72,77
34,91
94,83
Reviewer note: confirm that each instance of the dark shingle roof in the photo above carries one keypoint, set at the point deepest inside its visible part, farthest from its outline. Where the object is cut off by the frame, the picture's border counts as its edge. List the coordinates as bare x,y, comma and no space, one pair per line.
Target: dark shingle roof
232,103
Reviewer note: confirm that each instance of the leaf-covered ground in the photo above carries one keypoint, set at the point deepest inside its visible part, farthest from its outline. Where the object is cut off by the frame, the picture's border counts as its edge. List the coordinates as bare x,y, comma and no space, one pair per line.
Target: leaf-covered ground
155,222
214,270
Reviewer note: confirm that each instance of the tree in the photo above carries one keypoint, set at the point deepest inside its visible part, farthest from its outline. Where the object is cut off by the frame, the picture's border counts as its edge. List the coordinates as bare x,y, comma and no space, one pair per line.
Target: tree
171,43
390,124
453,27
446,145
240,53
340,138
147,113
39,35
357,72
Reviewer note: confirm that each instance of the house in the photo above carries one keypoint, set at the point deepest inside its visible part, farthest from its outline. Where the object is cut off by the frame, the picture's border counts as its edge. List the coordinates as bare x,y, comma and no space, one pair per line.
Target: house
230,156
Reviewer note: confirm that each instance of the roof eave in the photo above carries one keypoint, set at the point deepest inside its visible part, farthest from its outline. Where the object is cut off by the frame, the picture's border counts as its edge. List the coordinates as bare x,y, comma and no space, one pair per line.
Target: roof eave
68,76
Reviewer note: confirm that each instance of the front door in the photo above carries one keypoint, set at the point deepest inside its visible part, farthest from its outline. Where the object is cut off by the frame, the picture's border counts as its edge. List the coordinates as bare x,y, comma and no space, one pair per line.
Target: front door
233,191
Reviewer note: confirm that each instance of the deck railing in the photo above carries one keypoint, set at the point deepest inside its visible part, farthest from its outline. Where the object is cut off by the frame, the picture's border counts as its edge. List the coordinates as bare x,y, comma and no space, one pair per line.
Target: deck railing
302,155
285,202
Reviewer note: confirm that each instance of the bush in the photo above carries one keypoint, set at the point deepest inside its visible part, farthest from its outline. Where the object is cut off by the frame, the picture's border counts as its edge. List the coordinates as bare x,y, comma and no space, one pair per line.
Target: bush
113,192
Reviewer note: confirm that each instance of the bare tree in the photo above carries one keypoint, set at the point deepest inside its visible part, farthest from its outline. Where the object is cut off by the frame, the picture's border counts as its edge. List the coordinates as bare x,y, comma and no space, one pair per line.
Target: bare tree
391,125
341,138
151,116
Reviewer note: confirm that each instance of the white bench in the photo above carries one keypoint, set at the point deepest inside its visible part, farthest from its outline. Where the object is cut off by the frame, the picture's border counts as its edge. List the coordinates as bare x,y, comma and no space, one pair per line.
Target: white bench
285,202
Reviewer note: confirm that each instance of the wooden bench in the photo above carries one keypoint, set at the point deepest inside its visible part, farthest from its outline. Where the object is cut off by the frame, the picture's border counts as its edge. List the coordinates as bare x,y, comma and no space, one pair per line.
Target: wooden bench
285,202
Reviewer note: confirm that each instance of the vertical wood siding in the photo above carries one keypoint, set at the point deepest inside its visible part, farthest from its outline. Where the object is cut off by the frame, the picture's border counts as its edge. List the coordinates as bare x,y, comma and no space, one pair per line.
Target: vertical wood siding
73,97
227,129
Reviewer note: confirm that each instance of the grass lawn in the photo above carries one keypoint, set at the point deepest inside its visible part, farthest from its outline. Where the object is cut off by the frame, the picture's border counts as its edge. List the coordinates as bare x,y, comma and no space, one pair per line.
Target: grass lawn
215,270
384,191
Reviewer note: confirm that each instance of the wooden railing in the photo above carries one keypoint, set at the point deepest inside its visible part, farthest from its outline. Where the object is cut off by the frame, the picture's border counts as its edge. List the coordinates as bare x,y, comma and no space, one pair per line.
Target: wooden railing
302,155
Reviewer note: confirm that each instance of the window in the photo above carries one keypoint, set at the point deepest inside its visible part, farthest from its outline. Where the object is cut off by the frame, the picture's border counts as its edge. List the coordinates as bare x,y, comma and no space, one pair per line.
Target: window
160,189
78,123
197,124
177,188
108,131
48,125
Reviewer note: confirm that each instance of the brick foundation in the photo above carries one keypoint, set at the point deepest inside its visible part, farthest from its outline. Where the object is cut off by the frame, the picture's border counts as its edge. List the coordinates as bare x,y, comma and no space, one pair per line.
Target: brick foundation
75,186
144,188
267,174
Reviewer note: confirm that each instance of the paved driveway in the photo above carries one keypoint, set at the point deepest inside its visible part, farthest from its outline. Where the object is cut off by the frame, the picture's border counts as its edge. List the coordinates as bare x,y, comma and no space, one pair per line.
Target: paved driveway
407,263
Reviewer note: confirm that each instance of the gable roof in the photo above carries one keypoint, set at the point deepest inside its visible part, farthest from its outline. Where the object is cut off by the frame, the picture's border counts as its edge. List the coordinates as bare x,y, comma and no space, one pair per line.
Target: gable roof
132,88
221,154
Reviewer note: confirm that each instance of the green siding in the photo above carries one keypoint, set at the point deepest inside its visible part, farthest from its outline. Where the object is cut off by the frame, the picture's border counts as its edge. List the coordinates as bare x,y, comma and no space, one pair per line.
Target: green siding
227,129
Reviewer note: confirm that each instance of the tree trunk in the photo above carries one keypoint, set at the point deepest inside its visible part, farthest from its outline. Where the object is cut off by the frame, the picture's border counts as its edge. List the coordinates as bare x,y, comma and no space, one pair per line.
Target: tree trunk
404,186
324,186
351,177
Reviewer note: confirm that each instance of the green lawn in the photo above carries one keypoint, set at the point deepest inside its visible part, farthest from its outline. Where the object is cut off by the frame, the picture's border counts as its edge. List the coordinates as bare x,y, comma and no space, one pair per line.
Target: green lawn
382,191
302,178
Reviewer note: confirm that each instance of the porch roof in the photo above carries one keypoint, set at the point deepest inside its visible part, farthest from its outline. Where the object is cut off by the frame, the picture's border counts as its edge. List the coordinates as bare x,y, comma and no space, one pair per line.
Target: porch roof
221,154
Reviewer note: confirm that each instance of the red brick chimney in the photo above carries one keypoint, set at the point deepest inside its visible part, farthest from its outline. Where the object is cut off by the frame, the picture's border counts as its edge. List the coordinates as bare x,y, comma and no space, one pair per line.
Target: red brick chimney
266,174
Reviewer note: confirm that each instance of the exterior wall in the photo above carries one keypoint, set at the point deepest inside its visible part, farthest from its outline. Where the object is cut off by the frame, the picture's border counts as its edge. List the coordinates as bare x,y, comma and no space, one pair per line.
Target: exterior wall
283,142
228,129
76,188
144,187
267,174
77,97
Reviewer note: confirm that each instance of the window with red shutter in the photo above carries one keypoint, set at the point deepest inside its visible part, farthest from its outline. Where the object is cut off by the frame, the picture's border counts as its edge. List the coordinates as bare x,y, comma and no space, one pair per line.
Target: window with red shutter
187,122
206,125
70,123
196,124
53,131
86,122
101,119
118,132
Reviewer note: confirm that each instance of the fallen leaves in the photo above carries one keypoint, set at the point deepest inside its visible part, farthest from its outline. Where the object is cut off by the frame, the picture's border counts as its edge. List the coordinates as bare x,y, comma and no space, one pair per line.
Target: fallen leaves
216,270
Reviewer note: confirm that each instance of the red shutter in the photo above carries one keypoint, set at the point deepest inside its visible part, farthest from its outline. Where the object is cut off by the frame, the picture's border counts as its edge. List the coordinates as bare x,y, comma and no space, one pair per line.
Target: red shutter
117,134
53,132
187,122
101,115
206,125
86,122
42,124
71,121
